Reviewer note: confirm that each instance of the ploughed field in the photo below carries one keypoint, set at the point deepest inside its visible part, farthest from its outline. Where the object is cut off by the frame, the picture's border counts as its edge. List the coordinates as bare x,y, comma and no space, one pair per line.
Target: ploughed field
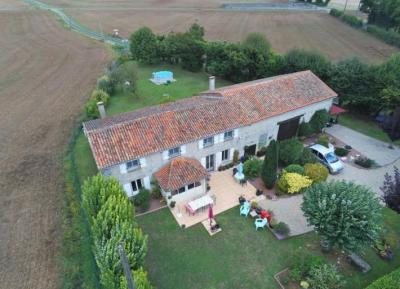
46,74
284,29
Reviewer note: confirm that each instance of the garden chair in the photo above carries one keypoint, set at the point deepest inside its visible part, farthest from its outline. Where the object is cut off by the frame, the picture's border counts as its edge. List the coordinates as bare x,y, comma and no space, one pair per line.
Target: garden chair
260,223
245,209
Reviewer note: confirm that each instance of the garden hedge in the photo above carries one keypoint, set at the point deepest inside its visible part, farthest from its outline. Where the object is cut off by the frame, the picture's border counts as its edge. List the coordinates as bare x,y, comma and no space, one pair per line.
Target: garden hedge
389,281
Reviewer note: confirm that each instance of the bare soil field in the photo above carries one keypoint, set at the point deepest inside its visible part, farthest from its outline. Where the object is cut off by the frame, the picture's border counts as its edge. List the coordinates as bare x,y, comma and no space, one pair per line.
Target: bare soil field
285,30
46,74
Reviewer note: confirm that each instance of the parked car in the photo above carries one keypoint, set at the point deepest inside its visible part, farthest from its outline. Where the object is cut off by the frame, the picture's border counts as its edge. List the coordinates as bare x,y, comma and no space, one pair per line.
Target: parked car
327,157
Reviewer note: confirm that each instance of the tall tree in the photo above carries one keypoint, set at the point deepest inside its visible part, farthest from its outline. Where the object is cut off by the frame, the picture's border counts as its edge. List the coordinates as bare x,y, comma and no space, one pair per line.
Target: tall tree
391,190
345,215
144,46
270,165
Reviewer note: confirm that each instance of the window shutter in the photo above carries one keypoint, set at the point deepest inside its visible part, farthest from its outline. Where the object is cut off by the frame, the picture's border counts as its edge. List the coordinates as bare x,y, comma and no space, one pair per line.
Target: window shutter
231,154
146,181
143,162
183,149
128,189
218,159
122,168
165,155
203,162
200,144
219,138
235,133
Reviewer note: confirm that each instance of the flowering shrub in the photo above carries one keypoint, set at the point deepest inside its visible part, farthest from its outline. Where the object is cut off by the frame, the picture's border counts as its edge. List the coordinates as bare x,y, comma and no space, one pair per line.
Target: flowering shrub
293,183
316,172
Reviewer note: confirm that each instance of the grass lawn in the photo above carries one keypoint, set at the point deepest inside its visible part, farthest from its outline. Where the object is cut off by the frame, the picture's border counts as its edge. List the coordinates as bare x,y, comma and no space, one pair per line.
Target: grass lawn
238,257
365,126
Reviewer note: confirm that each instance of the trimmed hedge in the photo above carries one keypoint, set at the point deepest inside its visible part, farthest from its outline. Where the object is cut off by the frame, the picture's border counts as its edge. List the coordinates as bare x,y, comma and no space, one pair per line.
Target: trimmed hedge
294,168
389,36
349,19
316,172
389,281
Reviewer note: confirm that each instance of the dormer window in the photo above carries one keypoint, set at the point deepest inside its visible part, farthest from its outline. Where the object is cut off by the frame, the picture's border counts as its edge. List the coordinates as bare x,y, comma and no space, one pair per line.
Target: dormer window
133,165
228,135
208,141
174,152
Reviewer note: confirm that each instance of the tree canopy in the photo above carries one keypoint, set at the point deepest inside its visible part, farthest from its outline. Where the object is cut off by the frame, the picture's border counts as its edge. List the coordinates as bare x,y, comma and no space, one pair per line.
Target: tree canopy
345,215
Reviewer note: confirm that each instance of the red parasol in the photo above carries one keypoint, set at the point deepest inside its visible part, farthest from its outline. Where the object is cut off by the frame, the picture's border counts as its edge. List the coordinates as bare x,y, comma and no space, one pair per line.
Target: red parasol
210,214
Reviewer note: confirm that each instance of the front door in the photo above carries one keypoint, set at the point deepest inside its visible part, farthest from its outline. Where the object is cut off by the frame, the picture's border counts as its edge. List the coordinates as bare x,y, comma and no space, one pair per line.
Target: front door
210,162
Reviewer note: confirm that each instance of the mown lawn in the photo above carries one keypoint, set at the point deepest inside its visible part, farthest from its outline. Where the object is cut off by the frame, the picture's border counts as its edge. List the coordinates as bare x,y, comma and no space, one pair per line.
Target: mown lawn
365,126
238,257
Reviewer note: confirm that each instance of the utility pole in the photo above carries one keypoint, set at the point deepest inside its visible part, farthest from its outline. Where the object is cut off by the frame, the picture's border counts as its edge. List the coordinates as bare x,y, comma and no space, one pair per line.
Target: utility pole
345,6
126,267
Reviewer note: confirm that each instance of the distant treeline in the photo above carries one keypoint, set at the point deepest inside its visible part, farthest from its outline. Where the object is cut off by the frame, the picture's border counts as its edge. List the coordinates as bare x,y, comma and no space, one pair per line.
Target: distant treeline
364,88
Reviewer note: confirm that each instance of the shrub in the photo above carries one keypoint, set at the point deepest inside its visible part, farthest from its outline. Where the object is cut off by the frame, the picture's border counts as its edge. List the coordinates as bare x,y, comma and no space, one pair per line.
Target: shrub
302,265
323,140
388,36
336,12
261,152
290,151
270,165
352,21
327,206
142,199
305,129
295,169
319,119
316,172
325,276
307,157
341,152
172,204
252,168
293,183
391,190
365,162
104,83
282,229
155,189
91,106
388,281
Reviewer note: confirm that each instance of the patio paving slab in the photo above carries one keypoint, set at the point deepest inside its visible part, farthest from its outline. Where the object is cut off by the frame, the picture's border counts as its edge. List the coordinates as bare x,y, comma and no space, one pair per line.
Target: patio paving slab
227,192
288,210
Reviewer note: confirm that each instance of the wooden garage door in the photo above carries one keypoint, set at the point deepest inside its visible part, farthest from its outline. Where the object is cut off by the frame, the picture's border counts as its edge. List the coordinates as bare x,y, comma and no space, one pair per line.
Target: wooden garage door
288,128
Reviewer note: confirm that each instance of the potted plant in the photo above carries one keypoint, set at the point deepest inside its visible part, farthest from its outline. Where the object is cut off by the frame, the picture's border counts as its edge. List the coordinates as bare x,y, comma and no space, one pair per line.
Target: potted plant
254,205
241,200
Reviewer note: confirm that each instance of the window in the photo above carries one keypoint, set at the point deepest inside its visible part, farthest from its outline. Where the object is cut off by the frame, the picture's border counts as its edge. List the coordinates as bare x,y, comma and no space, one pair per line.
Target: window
191,186
132,165
181,190
225,155
228,135
262,141
137,185
208,141
174,152
197,184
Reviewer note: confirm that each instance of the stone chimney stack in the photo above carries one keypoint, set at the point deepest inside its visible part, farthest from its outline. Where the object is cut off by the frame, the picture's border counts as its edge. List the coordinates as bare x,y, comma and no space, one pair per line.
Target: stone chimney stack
211,83
102,110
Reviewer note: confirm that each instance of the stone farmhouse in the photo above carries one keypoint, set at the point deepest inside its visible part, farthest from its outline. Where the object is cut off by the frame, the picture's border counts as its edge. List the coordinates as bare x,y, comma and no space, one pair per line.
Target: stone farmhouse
180,143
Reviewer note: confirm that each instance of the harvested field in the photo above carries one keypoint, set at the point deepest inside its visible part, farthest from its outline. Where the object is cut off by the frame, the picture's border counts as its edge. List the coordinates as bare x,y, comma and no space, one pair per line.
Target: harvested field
46,74
285,30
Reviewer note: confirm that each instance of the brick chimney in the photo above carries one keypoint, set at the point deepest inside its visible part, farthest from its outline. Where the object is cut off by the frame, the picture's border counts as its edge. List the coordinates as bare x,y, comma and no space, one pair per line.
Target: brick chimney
211,83
102,110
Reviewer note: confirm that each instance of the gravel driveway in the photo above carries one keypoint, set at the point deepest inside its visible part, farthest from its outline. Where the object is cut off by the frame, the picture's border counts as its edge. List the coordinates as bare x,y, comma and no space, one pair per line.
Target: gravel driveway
374,149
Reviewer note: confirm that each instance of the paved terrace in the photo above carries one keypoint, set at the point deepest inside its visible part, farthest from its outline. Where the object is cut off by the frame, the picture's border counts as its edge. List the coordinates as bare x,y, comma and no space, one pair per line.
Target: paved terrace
227,192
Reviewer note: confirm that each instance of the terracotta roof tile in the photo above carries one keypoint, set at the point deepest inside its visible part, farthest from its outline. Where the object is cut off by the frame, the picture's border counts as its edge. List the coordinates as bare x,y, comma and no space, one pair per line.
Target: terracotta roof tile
180,172
120,138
